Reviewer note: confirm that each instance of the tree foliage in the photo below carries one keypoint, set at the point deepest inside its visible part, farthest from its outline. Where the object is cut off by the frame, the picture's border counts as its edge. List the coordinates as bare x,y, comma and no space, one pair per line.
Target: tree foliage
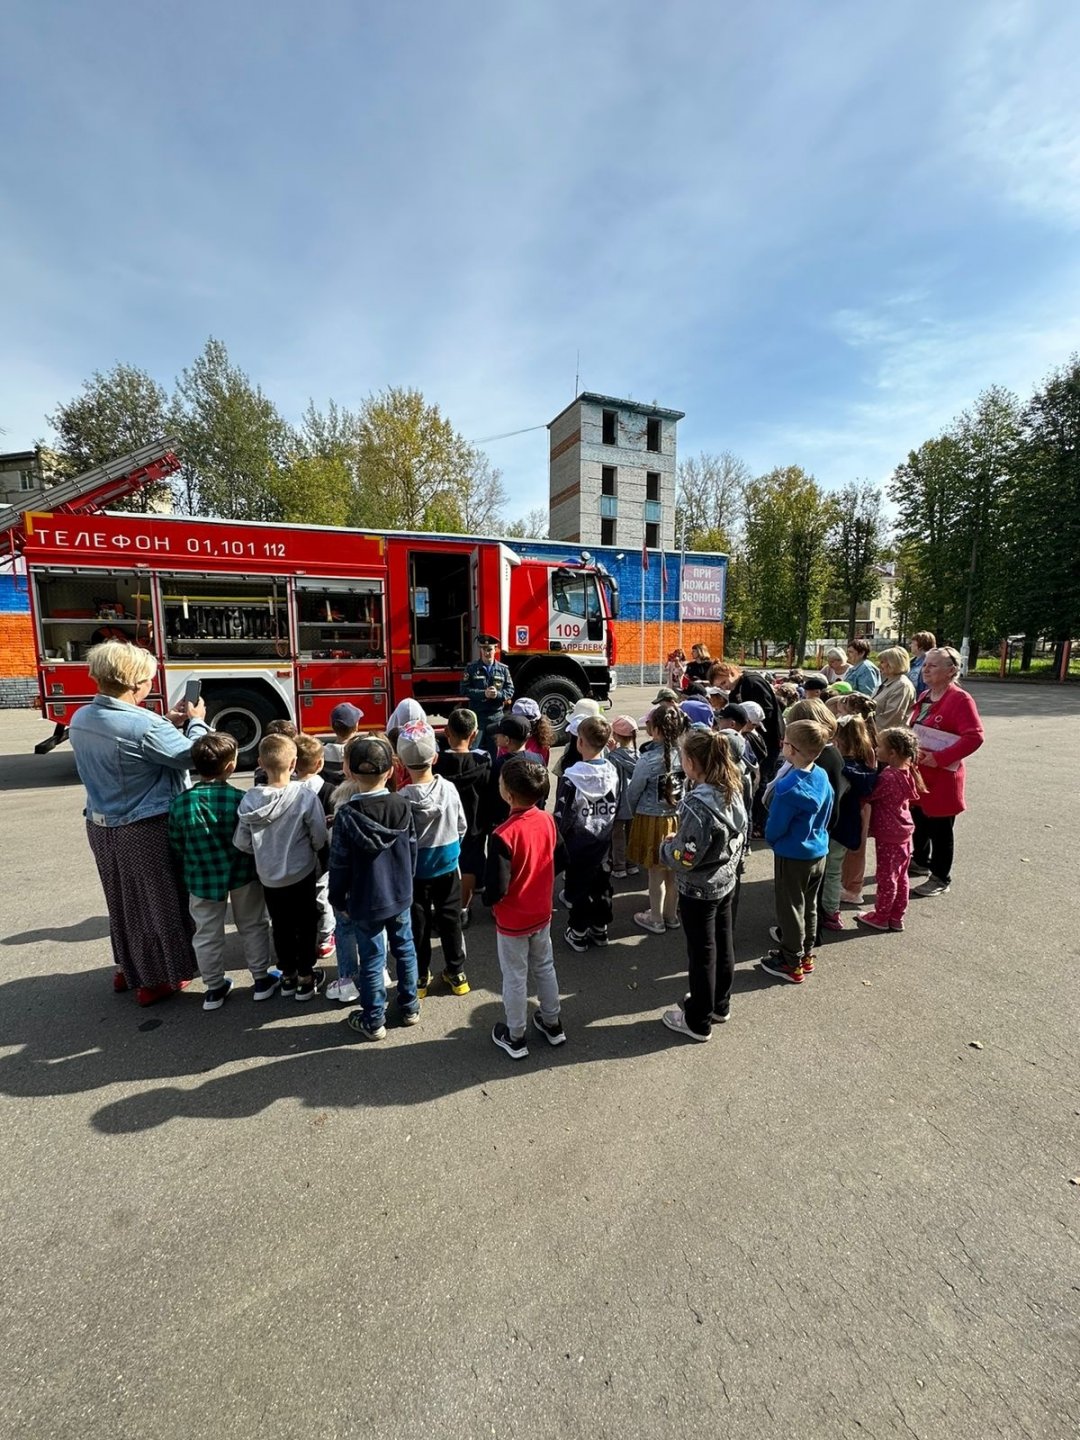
708,499
234,446
789,519
534,525
115,412
857,547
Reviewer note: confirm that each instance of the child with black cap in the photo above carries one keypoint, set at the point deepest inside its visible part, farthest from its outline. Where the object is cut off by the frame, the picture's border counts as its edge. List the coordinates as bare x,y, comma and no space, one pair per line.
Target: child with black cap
439,821
509,735
372,860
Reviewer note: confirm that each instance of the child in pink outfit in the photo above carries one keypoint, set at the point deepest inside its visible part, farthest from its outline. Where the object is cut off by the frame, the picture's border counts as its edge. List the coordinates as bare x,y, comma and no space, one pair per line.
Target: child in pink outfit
898,786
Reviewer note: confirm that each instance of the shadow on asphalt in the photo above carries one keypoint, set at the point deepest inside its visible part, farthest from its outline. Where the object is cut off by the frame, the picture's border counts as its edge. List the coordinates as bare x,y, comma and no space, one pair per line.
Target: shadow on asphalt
94,927
38,772
70,1034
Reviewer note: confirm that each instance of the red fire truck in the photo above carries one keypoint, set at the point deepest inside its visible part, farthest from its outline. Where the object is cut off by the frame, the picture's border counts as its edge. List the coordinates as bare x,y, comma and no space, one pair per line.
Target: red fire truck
286,621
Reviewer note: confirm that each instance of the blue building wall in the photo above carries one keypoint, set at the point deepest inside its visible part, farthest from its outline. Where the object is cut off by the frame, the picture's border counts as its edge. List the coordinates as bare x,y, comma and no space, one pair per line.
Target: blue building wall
633,580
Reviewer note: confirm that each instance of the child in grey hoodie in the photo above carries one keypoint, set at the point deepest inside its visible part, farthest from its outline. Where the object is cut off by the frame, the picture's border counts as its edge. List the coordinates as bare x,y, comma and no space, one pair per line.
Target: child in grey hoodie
284,827
586,804
704,853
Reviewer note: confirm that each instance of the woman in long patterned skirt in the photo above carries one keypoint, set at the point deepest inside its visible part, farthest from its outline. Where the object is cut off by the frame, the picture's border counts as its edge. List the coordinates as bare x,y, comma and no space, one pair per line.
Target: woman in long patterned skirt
132,763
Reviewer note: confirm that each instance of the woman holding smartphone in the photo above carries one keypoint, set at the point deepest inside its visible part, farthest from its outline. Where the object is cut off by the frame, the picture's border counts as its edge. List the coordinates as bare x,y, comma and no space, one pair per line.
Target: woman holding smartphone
132,763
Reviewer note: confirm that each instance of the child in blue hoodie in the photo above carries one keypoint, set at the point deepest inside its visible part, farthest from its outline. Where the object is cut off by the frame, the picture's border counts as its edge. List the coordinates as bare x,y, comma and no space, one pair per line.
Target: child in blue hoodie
440,824
372,859
797,831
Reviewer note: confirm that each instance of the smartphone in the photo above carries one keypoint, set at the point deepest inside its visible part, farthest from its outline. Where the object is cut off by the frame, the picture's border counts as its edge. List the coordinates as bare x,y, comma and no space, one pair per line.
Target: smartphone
192,692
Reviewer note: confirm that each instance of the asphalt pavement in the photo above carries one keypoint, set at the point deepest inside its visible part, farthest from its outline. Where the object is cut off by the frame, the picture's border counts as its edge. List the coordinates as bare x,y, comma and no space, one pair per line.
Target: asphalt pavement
851,1213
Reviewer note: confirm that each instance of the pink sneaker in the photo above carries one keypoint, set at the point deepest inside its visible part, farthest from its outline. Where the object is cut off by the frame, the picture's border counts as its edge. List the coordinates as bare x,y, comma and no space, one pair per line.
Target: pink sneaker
832,922
871,921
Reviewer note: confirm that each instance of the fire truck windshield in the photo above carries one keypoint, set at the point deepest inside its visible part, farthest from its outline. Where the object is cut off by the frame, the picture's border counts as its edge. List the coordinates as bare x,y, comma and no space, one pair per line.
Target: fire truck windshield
575,594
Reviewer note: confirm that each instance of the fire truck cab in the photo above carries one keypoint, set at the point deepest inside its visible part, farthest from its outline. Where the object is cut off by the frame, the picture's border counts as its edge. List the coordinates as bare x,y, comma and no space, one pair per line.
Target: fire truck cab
286,621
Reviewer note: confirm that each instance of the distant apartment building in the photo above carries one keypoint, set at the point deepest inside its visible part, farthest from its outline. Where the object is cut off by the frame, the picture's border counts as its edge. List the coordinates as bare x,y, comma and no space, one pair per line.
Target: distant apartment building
612,473
20,475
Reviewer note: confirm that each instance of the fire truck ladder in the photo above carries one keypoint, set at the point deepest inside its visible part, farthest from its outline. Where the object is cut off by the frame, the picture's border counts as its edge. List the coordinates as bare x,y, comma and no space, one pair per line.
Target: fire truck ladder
94,489
88,494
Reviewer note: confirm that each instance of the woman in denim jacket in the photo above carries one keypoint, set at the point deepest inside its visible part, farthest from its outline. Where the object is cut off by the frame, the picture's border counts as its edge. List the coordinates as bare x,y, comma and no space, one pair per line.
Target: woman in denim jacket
132,763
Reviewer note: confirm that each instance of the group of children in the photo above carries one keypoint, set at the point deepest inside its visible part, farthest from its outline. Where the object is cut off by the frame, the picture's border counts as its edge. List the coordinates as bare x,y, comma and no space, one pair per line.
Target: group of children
376,857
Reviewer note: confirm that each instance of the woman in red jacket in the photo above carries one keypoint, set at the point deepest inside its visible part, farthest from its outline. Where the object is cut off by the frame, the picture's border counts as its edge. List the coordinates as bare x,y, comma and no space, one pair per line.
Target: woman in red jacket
948,727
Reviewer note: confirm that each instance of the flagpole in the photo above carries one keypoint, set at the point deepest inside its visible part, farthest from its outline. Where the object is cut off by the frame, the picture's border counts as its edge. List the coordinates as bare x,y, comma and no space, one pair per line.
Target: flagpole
663,599
644,568
682,570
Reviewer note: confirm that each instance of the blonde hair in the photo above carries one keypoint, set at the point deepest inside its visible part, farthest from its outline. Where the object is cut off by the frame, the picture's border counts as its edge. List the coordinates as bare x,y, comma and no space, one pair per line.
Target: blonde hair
277,753
925,640
809,737
815,710
897,657
309,751
116,667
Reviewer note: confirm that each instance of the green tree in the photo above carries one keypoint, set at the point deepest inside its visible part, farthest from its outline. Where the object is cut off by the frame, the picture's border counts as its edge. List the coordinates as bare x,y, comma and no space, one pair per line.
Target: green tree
234,446
1042,546
856,548
789,519
532,526
116,411
708,499
412,463
314,490
951,495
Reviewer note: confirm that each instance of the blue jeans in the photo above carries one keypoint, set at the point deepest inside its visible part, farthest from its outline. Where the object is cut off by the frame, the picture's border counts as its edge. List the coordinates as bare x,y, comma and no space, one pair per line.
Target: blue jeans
348,965
371,946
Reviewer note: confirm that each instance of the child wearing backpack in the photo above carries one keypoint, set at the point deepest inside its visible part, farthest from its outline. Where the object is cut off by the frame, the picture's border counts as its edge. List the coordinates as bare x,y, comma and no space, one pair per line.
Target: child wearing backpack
654,794
585,806
705,854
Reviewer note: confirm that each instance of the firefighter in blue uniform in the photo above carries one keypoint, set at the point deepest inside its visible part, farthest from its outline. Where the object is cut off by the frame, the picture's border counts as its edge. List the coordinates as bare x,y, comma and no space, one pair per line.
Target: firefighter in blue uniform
490,688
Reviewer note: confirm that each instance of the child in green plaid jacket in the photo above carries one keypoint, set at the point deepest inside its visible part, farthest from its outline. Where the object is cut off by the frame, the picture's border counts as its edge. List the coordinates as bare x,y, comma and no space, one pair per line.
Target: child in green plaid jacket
201,825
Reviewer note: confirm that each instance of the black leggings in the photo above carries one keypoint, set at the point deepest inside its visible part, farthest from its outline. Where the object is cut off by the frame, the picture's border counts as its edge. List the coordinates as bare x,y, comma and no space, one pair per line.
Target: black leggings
932,843
710,951
294,921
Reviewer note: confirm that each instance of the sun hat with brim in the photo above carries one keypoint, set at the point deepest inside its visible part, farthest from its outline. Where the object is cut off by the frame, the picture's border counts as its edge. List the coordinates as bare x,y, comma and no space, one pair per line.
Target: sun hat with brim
583,710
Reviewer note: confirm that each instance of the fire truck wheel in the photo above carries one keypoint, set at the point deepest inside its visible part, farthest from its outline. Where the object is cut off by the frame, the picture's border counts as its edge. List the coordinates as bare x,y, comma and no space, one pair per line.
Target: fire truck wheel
245,714
556,697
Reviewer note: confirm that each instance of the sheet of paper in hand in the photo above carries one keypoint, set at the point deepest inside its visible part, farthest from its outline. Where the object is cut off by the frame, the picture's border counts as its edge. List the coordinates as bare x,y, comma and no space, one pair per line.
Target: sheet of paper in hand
934,740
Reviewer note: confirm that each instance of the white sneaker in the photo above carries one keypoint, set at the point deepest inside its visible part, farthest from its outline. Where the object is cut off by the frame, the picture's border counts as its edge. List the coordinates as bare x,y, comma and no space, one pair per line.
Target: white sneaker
344,991
619,874
645,920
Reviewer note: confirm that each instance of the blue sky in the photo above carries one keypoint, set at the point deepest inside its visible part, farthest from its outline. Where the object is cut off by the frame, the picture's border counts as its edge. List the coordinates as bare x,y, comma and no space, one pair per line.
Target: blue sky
818,228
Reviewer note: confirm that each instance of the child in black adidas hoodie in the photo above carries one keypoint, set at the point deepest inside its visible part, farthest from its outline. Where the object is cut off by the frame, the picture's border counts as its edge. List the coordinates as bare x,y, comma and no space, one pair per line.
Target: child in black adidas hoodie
586,804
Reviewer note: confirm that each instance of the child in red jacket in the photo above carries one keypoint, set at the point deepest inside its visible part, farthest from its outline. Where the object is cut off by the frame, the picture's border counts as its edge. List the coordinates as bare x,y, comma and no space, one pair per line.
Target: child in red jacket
524,853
